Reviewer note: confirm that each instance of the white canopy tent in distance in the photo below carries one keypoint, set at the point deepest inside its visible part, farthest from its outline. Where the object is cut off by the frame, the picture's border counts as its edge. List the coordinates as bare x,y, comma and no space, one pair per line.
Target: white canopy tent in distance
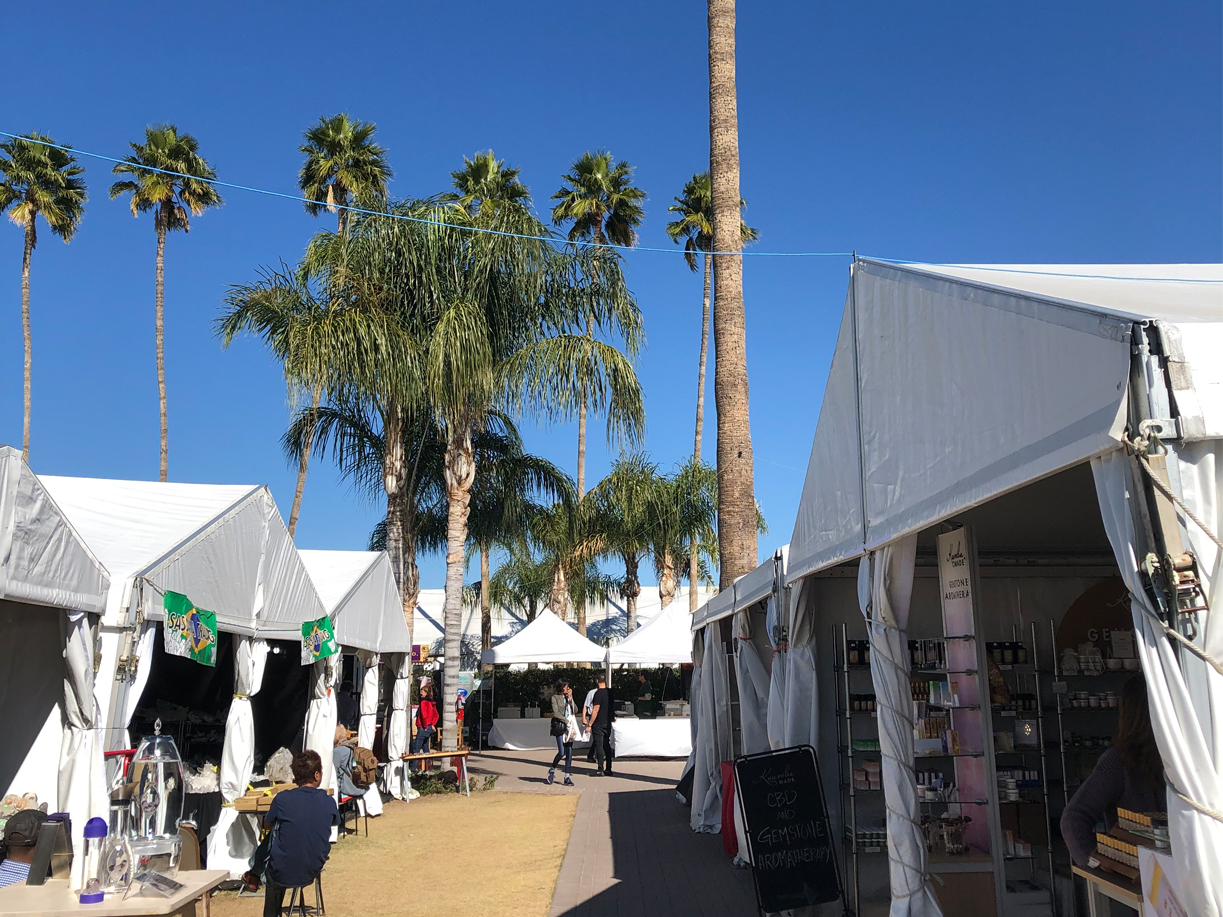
1024,456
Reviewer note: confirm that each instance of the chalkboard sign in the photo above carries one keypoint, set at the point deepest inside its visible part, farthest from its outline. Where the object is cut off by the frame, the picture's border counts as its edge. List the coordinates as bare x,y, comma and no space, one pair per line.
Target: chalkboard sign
788,835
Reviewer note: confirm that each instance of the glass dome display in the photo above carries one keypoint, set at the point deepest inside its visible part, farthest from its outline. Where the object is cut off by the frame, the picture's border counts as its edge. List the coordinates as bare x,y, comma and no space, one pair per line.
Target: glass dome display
157,794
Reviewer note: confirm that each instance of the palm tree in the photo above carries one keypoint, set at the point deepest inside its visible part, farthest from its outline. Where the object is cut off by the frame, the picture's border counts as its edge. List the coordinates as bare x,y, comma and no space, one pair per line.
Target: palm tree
485,180
603,206
342,163
685,515
694,208
621,511
736,488
173,180
38,177
522,582
341,160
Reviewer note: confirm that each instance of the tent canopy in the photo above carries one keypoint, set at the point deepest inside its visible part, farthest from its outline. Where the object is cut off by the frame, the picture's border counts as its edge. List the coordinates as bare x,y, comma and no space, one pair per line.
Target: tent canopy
748,589
665,639
718,607
951,385
223,546
43,560
546,639
359,592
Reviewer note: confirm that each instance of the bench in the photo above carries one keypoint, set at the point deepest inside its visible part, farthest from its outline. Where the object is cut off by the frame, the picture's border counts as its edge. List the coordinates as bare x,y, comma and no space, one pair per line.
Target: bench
461,754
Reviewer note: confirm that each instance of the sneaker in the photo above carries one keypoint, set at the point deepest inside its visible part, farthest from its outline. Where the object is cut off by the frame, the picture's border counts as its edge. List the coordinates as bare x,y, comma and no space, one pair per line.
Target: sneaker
598,773
568,780
251,881
551,775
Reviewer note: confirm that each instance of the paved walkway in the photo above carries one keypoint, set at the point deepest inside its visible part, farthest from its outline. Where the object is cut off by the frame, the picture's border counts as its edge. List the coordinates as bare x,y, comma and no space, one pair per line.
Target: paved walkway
631,851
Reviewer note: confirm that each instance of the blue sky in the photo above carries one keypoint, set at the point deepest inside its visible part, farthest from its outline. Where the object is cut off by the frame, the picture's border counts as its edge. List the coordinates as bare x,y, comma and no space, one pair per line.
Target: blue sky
1084,132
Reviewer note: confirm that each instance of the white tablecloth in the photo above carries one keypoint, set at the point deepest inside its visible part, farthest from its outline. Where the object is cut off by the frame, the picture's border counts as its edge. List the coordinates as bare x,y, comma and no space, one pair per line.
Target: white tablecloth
664,737
525,735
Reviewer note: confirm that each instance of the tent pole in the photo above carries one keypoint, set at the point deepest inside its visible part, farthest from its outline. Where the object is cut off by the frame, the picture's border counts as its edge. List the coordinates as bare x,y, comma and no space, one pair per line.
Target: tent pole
480,725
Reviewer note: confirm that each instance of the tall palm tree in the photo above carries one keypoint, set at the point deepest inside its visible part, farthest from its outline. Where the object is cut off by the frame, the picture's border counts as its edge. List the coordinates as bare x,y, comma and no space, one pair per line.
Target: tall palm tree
342,160
343,164
37,177
694,208
485,180
601,204
621,511
172,179
736,487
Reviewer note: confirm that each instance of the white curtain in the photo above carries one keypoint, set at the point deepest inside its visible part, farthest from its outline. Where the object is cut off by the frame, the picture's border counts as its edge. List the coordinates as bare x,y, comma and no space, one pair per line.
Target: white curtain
801,714
885,586
1188,723
82,779
368,724
713,734
233,840
753,697
144,665
395,774
775,721
322,715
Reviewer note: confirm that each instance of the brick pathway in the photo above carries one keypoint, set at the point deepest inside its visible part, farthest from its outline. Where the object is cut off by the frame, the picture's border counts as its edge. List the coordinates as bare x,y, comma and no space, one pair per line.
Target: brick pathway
631,852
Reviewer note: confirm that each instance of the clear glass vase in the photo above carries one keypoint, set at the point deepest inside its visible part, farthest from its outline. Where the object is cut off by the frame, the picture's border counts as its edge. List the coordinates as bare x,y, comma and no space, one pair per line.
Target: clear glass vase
116,871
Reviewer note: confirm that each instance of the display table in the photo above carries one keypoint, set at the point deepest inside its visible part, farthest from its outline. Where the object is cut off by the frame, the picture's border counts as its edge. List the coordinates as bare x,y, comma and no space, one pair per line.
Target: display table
525,735
55,899
1103,885
664,737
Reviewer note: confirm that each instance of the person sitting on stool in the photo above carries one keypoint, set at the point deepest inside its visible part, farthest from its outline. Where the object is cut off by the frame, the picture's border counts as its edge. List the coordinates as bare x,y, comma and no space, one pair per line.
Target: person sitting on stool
298,838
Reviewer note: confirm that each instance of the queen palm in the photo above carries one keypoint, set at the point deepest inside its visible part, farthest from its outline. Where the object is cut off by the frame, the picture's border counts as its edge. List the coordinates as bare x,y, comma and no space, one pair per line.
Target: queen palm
343,164
620,514
172,179
522,582
37,177
737,515
684,519
601,205
694,209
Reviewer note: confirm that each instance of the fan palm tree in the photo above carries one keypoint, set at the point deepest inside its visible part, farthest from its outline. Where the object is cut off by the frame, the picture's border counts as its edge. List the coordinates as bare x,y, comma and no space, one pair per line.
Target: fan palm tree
37,177
621,511
694,208
172,179
600,203
736,487
343,163
485,180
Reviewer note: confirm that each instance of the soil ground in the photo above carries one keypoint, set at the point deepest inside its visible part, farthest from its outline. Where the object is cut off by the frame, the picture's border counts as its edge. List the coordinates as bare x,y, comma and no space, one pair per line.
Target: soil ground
408,866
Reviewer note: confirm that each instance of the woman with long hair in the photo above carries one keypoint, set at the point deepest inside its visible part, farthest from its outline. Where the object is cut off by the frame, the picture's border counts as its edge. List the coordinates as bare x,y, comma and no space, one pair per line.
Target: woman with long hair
1130,775
563,718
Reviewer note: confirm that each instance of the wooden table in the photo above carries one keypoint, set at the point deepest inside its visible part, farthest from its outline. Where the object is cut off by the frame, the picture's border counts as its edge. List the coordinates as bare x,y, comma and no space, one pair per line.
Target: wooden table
56,899
435,755
1101,884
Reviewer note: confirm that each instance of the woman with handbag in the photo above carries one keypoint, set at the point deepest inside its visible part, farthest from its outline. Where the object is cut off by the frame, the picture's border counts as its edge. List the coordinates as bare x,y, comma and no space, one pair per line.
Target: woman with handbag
563,720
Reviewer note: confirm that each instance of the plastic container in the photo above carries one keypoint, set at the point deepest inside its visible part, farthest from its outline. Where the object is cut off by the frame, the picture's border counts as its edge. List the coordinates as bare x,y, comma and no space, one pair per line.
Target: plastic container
94,836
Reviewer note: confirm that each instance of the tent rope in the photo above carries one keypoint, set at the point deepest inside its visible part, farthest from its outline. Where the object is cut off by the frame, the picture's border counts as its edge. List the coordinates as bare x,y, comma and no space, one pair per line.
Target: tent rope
1217,816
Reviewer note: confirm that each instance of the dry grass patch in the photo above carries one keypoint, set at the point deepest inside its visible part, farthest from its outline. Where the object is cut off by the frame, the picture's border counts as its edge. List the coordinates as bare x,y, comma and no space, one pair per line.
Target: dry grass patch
495,853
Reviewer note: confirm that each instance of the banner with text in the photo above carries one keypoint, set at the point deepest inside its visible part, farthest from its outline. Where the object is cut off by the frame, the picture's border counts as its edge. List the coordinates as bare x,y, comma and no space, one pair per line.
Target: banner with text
189,631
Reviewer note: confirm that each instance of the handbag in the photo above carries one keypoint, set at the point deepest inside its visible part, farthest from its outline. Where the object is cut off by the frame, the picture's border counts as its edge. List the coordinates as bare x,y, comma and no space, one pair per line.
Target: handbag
558,727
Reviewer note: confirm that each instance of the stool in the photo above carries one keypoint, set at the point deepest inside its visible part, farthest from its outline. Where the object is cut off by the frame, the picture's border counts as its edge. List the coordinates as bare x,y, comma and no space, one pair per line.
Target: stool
297,899
352,804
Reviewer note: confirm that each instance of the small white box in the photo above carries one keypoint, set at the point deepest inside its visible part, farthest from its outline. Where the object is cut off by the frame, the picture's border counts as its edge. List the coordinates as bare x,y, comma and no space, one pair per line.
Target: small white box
509,713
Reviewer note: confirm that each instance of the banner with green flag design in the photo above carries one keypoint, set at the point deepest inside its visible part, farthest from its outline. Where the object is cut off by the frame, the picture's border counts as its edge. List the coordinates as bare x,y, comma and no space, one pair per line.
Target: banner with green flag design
318,641
190,631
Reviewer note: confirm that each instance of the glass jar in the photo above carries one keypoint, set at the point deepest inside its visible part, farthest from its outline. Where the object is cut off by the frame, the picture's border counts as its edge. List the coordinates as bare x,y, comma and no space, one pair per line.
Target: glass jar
116,869
157,794
94,836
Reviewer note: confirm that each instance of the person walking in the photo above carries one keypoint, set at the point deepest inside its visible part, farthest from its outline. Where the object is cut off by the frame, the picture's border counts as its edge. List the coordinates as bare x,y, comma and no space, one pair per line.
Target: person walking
602,715
586,707
564,727
426,723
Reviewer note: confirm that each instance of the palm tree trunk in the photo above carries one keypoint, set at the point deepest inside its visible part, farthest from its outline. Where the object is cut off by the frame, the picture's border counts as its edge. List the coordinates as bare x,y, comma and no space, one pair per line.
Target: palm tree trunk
486,605
736,491
303,464
460,473
666,580
27,254
700,373
392,482
160,330
694,574
632,589
558,599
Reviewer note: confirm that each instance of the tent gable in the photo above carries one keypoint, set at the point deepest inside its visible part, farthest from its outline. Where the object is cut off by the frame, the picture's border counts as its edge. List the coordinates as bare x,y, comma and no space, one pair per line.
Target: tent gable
546,639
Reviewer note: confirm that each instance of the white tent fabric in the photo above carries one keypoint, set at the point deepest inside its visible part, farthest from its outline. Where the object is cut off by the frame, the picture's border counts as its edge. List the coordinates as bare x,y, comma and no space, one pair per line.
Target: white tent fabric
43,561
546,639
717,608
322,715
713,736
885,586
359,592
753,680
1190,740
665,639
1003,377
82,787
775,719
368,724
232,841
395,775
757,585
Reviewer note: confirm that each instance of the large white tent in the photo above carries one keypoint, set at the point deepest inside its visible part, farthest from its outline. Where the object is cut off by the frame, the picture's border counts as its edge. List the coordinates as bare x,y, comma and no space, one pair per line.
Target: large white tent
665,639
547,639
951,386
227,549
52,588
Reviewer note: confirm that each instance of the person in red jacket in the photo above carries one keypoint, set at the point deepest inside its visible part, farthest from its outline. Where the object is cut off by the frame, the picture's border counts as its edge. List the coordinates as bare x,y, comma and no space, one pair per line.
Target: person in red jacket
426,723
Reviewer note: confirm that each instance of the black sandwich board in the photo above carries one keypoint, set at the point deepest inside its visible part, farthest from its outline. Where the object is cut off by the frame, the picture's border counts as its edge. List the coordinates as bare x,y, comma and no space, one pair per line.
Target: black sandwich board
789,839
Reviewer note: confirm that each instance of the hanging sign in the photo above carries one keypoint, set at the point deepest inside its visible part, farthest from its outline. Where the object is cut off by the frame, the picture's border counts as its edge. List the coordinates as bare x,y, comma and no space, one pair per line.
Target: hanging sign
189,631
318,640
788,834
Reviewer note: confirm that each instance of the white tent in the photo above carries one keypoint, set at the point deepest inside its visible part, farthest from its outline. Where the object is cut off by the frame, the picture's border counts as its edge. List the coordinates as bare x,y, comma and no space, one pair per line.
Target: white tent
953,385
547,639
666,639
359,592
51,590
227,549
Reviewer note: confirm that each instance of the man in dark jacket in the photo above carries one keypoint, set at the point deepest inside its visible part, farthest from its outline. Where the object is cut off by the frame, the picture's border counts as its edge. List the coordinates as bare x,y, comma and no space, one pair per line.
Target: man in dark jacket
602,714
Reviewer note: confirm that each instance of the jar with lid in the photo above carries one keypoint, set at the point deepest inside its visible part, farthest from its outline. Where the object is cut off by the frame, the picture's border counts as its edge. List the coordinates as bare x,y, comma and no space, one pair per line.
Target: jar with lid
90,891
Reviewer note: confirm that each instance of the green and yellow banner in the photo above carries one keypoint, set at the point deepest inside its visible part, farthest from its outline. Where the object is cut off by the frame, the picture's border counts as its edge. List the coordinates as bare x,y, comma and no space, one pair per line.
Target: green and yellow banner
190,631
318,641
